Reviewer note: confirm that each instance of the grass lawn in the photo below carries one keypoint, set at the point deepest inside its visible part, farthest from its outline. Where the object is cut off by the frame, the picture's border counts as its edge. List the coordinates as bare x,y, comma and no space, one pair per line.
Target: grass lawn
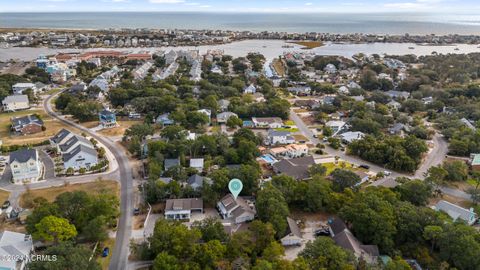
287,129
289,123
4,195
309,44
52,91
104,262
341,165
117,131
50,194
52,127
278,66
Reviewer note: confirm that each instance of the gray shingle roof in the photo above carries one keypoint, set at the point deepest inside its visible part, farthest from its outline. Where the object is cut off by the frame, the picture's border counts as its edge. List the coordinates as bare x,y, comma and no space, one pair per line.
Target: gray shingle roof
171,162
23,155
15,99
454,211
60,135
26,120
74,139
293,227
296,167
78,149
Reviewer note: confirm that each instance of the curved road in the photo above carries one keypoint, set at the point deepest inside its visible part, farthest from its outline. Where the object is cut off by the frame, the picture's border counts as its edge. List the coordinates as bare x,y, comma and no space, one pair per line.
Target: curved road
119,257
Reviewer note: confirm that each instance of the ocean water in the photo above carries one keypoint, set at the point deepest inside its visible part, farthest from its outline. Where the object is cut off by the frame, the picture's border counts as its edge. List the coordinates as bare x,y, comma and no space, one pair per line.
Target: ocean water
375,23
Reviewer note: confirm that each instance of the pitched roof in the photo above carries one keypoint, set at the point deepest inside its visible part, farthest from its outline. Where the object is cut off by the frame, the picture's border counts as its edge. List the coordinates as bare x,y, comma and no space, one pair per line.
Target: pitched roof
15,99
196,162
337,226
107,113
13,243
74,139
79,149
275,133
23,155
293,228
455,211
183,204
26,120
171,162
62,134
296,167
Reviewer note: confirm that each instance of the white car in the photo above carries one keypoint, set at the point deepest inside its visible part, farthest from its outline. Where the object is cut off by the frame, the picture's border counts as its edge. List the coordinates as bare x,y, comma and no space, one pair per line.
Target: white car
387,173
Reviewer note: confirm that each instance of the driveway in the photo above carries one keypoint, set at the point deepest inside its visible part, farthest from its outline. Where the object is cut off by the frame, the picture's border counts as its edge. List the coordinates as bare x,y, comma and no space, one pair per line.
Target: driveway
48,165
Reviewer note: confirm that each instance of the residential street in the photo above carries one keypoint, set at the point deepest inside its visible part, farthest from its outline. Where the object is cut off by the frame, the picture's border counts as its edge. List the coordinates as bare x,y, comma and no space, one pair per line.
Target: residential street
434,157
121,250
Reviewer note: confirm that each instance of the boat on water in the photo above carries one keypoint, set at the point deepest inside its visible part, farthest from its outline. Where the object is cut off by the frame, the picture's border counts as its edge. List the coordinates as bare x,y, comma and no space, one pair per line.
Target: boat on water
411,48
457,49
287,46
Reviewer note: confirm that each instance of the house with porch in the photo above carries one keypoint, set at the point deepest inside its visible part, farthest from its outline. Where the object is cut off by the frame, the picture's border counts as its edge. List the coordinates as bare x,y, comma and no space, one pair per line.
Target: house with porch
181,209
107,119
26,166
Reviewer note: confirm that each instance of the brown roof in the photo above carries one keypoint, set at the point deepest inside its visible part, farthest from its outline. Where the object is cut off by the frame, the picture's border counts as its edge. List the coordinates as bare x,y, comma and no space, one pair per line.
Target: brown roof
293,228
183,204
296,167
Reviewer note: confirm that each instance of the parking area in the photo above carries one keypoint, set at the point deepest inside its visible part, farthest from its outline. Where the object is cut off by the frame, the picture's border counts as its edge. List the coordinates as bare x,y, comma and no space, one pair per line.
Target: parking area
207,213
310,224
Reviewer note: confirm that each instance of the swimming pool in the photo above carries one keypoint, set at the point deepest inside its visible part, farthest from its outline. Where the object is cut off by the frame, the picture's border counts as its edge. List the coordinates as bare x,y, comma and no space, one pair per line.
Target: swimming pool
269,159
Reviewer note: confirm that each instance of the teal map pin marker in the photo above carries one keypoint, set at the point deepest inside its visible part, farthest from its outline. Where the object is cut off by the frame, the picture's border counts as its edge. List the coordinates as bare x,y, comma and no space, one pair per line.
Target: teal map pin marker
235,186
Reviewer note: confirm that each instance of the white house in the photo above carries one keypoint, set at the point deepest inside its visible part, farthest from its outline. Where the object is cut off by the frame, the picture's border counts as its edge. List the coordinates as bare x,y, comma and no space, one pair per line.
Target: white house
25,165
293,236
197,163
279,137
330,69
15,103
73,142
351,136
18,88
251,89
224,116
456,212
290,151
336,126
239,210
181,209
267,122
80,157
17,246
100,83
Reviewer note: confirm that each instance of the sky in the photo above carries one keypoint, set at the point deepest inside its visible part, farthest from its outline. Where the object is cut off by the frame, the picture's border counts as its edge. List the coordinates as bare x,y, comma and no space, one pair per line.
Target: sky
274,6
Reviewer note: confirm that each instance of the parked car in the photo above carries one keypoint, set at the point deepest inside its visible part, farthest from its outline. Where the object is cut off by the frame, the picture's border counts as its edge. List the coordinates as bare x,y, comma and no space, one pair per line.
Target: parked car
6,204
136,211
105,252
322,232
387,173
363,166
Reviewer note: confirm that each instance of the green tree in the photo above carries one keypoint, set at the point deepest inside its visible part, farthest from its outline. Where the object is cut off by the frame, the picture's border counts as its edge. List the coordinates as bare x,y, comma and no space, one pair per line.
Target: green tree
432,233
323,253
211,229
416,191
343,179
233,122
397,264
456,170
175,239
52,228
164,261
372,217
272,207
68,256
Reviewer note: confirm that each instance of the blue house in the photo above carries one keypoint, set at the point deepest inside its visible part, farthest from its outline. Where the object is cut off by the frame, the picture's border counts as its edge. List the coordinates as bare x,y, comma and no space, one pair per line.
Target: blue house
107,119
164,120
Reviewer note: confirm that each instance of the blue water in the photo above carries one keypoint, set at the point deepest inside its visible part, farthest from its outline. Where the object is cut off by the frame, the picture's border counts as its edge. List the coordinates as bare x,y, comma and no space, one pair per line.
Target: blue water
269,159
378,23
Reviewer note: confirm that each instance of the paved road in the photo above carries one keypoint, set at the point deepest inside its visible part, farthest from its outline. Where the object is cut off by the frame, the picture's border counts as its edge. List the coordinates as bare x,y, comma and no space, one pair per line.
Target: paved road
120,252
434,157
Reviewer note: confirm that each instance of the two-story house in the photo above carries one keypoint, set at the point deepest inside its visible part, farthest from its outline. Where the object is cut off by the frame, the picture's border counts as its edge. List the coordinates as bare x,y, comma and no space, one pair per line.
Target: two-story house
15,103
107,119
25,165
275,137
